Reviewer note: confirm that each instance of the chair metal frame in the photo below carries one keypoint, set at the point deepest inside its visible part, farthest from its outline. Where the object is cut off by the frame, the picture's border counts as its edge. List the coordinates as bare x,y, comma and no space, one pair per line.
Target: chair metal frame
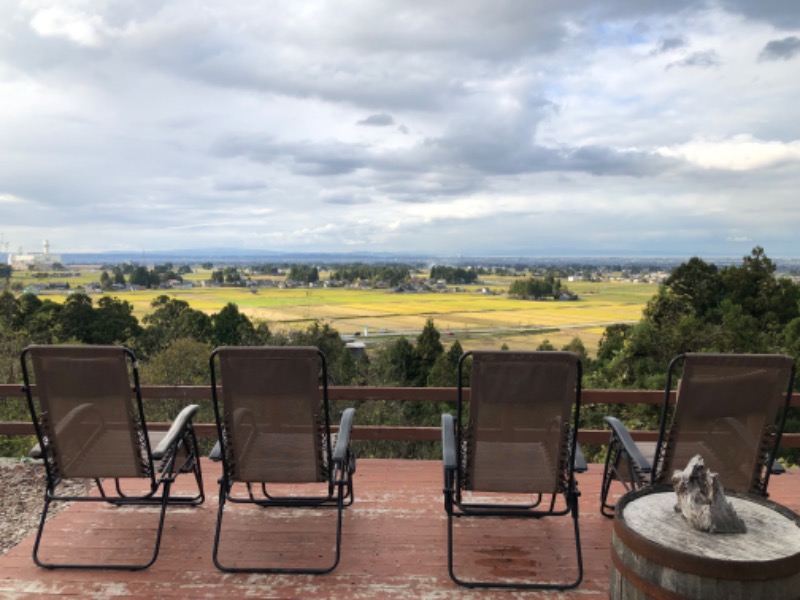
341,462
176,453
453,433
626,463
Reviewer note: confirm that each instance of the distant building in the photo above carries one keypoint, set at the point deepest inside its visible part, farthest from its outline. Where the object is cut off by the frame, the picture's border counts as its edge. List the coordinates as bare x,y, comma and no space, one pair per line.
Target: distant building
41,261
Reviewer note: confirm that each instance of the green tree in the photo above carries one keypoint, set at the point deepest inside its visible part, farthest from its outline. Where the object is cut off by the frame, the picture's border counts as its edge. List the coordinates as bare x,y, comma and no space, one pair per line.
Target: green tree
396,364
184,362
42,324
545,346
444,372
13,409
791,339
114,322
576,345
229,327
427,350
76,319
341,366
9,311
173,319
144,277
699,283
537,288
119,275
303,274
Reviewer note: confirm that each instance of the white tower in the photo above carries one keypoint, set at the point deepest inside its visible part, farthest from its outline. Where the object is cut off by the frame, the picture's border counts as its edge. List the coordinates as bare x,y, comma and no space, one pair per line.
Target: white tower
46,249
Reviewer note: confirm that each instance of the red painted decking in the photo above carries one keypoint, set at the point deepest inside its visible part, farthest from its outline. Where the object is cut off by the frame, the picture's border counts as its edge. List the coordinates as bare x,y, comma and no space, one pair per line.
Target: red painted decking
394,545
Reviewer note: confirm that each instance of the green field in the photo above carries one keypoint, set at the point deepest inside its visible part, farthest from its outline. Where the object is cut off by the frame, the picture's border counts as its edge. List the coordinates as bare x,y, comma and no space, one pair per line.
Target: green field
476,319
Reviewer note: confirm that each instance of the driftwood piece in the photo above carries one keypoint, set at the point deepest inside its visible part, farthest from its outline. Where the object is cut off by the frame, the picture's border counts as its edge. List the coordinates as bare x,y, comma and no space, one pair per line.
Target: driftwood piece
702,501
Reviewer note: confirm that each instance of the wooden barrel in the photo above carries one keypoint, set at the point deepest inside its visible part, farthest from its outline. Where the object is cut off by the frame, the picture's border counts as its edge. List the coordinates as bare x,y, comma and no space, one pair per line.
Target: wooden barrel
655,553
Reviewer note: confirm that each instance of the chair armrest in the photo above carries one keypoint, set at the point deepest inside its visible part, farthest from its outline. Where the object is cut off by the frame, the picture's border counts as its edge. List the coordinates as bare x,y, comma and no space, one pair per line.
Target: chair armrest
581,466
176,431
216,452
777,468
630,447
343,438
448,442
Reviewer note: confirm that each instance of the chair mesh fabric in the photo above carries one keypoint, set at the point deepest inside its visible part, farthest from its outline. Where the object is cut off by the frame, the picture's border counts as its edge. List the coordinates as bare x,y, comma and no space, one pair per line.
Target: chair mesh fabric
727,411
519,421
87,411
272,404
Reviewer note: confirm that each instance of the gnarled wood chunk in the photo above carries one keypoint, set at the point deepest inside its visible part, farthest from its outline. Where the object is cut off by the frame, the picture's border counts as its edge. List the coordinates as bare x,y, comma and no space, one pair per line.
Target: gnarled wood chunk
702,501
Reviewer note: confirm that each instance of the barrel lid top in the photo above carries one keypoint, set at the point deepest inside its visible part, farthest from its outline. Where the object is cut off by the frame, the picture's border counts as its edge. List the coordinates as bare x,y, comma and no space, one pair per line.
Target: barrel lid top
773,531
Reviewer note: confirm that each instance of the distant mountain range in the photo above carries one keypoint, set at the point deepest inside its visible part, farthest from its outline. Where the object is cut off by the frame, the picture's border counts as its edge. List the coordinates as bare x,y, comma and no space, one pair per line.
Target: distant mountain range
243,256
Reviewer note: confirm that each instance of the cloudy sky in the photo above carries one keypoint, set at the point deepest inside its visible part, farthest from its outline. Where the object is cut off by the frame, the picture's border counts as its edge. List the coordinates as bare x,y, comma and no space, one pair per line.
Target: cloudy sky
510,127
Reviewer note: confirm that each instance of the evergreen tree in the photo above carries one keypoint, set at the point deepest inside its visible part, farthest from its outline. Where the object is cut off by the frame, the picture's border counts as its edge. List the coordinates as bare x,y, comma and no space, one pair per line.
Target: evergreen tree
396,364
428,349
444,372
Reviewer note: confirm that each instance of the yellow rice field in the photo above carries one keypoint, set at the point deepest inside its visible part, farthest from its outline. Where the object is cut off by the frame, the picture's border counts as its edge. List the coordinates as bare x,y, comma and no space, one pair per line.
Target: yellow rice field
476,319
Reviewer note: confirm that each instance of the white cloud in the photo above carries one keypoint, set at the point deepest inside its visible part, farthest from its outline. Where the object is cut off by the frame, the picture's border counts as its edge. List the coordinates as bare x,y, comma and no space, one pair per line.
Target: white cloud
76,26
739,153
11,199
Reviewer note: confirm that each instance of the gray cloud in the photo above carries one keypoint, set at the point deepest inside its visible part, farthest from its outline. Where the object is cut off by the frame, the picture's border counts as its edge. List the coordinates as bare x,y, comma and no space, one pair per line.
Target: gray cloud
704,59
239,186
305,158
781,49
669,44
346,199
377,120
782,14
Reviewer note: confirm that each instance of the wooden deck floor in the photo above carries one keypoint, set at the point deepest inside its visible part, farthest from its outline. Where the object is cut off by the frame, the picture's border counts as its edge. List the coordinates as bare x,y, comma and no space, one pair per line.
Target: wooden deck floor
394,545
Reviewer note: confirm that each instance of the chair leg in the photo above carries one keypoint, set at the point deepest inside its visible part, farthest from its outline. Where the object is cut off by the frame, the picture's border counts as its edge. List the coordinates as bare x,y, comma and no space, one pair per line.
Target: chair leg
509,585
196,470
111,566
605,509
224,490
40,531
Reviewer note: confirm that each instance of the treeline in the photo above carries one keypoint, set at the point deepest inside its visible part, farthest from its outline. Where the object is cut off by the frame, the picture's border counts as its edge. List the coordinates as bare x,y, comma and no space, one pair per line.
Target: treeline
227,275
303,274
535,288
391,275
138,275
454,275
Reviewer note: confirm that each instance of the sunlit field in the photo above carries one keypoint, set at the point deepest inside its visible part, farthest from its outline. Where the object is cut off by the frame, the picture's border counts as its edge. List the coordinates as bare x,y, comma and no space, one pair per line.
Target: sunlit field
478,320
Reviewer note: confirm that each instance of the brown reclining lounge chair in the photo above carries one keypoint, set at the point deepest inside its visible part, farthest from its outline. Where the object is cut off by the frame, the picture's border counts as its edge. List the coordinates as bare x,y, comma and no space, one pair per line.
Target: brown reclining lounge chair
518,439
86,407
273,420
730,409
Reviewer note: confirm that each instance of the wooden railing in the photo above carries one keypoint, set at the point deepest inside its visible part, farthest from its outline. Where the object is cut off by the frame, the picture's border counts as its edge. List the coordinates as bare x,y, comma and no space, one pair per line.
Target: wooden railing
385,433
